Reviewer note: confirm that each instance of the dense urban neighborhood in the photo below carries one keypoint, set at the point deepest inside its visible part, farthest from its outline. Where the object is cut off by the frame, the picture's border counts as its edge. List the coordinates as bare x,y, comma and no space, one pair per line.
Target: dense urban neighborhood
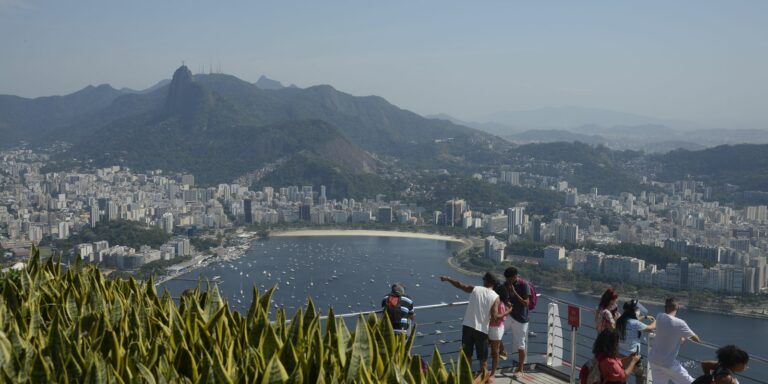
669,235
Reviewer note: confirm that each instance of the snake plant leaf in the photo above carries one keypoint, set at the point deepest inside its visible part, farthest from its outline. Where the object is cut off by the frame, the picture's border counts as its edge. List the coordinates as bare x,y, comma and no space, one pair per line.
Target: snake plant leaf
36,323
146,374
270,343
215,302
296,377
365,376
185,363
415,372
275,373
72,309
6,351
116,312
288,357
296,331
394,376
11,296
40,370
114,377
438,367
362,349
255,306
387,336
97,372
464,370
220,373
266,299
406,351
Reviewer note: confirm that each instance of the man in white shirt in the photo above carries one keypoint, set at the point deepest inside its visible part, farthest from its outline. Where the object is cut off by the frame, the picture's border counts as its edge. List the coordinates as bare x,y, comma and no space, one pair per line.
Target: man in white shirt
671,332
474,330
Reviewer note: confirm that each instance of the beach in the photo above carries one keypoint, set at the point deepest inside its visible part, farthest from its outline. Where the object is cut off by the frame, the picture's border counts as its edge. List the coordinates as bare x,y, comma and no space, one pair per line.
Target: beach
360,232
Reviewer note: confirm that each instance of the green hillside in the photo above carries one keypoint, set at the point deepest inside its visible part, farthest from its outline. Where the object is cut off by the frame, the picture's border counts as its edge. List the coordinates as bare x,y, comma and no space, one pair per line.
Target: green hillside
744,165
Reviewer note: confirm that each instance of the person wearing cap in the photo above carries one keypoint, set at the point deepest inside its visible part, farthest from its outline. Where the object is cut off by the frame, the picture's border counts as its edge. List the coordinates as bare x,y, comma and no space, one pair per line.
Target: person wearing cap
671,332
630,326
483,302
630,329
607,311
398,308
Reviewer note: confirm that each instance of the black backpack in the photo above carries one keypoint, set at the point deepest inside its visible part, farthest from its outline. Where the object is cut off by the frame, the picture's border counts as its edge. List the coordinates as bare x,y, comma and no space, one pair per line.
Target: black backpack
705,379
712,376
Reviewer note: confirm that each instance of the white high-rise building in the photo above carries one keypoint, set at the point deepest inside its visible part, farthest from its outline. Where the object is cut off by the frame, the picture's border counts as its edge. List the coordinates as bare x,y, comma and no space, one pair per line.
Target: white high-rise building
63,230
166,222
515,220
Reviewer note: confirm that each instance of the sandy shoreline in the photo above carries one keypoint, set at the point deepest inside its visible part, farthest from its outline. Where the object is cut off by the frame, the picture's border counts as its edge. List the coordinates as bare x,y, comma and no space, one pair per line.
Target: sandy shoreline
361,232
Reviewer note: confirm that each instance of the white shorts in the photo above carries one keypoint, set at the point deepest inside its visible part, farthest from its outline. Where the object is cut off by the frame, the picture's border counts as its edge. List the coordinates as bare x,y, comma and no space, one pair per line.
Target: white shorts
676,373
519,334
495,333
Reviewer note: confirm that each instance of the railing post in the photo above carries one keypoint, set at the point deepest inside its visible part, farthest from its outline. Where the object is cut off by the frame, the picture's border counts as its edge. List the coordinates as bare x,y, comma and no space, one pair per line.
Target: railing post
574,332
648,373
554,336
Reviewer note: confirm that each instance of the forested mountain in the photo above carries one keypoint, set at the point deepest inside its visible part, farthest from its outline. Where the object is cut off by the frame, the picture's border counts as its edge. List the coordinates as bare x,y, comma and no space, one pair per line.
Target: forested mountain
589,166
218,127
200,131
744,165
30,119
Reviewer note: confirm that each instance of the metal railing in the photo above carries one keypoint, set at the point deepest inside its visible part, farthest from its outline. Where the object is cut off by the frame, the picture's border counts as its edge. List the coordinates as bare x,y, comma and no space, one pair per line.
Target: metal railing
578,345
564,350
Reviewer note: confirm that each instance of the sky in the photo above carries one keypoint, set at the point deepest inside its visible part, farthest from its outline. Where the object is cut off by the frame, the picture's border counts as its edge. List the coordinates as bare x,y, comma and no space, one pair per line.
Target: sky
698,60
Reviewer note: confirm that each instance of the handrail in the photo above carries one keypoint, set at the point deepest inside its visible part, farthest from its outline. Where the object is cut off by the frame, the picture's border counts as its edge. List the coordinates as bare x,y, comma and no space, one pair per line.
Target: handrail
555,300
419,308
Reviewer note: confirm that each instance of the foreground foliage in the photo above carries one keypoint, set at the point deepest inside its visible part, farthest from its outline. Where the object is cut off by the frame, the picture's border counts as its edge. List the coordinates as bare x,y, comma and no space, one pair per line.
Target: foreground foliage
75,326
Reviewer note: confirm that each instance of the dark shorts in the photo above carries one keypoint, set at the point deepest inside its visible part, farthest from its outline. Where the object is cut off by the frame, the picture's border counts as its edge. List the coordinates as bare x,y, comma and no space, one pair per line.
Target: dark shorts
474,339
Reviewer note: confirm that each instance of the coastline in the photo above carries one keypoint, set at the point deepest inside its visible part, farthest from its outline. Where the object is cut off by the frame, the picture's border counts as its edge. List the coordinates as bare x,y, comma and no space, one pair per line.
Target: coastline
235,253
362,232
452,262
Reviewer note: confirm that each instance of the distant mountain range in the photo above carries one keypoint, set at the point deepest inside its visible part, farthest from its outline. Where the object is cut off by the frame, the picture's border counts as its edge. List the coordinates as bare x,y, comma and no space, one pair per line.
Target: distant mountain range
219,127
618,130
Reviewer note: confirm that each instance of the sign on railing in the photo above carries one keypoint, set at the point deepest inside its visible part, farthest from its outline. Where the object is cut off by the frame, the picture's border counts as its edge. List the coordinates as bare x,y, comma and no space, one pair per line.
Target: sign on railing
574,316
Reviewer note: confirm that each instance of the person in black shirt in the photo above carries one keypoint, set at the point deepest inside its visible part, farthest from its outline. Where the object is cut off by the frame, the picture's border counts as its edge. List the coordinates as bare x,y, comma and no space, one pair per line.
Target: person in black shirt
519,293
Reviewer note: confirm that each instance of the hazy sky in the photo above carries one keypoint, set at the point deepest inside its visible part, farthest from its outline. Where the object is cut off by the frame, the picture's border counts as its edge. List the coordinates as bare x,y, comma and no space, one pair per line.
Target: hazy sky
703,61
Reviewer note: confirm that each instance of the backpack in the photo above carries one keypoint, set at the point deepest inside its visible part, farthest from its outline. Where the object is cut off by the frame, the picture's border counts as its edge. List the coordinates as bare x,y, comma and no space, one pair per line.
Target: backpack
705,379
590,372
393,311
532,299
711,378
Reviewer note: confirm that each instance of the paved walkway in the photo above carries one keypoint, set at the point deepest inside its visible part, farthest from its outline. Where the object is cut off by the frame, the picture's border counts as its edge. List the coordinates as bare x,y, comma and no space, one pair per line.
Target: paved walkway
528,378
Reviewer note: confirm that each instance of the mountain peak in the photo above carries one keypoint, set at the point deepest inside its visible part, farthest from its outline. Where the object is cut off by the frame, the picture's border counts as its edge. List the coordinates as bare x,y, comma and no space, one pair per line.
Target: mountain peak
184,94
182,74
267,83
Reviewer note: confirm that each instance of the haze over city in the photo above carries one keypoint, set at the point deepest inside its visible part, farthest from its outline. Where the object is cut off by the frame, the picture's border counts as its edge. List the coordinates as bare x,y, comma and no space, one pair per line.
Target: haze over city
698,62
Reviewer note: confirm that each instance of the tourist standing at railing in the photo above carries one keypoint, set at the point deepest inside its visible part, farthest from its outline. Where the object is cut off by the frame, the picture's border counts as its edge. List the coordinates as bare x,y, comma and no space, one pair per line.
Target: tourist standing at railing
519,294
607,311
496,327
477,317
500,288
614,369
730,360
398,308
671,332
631,328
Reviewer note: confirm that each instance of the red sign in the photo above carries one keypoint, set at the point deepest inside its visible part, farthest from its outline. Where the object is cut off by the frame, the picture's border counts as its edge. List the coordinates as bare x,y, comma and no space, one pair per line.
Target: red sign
574,316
